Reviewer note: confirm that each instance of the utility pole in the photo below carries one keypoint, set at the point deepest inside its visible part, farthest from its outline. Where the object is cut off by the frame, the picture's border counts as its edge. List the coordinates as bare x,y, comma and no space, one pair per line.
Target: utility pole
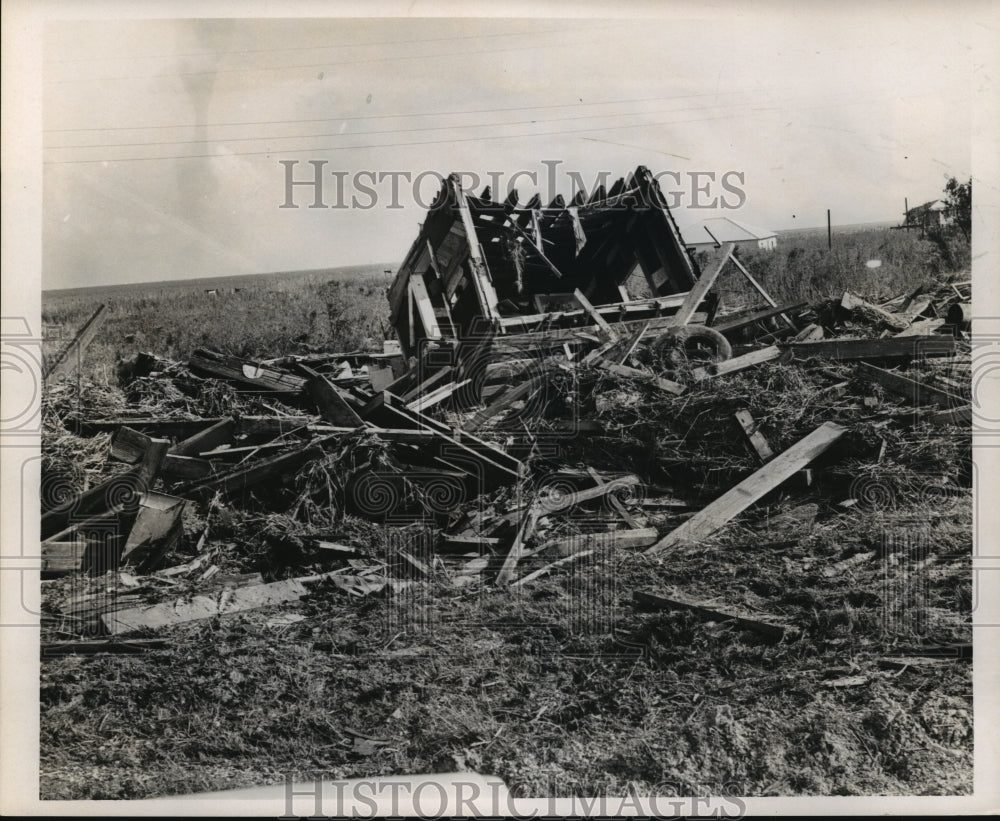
829,231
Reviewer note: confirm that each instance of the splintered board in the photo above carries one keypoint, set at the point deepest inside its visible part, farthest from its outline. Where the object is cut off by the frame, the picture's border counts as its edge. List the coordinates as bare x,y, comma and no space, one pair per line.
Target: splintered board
708,520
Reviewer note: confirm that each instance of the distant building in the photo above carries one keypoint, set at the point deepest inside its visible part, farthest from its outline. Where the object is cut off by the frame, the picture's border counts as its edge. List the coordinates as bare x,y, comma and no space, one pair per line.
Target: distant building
720,230
933,214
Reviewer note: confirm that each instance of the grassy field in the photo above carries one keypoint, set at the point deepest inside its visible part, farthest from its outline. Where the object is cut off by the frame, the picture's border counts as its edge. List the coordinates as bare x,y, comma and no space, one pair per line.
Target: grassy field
553,696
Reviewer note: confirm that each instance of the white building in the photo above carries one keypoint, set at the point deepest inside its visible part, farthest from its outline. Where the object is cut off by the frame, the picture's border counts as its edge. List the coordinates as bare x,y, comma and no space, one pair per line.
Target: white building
720,230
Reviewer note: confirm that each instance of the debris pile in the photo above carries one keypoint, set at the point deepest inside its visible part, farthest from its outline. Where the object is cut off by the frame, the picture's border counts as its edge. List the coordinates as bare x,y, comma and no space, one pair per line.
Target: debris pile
515,433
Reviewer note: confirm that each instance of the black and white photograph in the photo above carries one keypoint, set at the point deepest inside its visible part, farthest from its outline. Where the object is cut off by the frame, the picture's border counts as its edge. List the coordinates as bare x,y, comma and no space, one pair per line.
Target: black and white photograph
487,410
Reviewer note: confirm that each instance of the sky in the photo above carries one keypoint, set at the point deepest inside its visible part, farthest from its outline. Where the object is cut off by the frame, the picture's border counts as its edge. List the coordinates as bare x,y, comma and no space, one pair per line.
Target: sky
164,140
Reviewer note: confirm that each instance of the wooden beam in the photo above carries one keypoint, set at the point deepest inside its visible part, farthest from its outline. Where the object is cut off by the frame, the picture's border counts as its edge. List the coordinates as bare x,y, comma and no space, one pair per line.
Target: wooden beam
754,436
763,292
701,288
70,357
434,397
245,372
188,609
715,516
600,321
477,265
730,323
771,631
542,571
221,433
616,503
665,385
852,302
917,392
332,404
893,347
425,308
529,519
738,363
633,537
241,479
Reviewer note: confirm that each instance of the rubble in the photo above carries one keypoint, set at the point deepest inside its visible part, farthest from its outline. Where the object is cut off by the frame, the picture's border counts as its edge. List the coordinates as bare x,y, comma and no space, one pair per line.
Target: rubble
512,412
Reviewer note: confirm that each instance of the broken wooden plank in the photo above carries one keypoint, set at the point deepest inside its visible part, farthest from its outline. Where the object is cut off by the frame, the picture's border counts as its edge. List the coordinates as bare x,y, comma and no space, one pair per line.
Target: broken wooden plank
529,520
428,400
713,517
241,479
128,445
810,333
90,647
771,631
332,404
730,323
555,503
229,600
917,392
609,539
863,349
220,433
755,437
701,288
70,357
737,363
763,292
954,416
599,320
542,571
665,385
922,327
855,304
110,497
616,503
62,558
157,530
245,372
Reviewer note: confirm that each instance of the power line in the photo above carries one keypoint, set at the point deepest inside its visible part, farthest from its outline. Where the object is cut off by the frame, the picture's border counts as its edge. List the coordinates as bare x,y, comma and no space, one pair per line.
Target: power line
399,144
326,64
388,131
395,116
320,48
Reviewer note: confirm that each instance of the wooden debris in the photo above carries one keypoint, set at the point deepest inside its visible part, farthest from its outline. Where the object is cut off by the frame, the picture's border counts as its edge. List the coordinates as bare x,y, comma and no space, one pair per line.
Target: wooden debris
543,571
855,304
156,532
245,372
611,539
894,347
229,600
737,363
333,406
754,436
711,518
917,392
665,385
727,324
616,503
529,519
769,630
90,647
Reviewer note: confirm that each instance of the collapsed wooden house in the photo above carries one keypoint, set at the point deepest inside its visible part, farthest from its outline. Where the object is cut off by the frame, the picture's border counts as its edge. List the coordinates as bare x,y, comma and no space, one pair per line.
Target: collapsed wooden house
483,267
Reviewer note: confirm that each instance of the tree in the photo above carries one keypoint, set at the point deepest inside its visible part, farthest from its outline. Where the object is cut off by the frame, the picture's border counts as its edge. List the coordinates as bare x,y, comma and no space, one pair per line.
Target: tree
959,198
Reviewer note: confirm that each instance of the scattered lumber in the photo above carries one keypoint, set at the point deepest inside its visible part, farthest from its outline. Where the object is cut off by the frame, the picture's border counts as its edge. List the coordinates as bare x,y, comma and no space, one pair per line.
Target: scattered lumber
245,372
333,406
737,363
728,324
918,393
626,372
543,571
609,539
226,601
855,304
85,647
769,630
713,517
874,349
754,436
